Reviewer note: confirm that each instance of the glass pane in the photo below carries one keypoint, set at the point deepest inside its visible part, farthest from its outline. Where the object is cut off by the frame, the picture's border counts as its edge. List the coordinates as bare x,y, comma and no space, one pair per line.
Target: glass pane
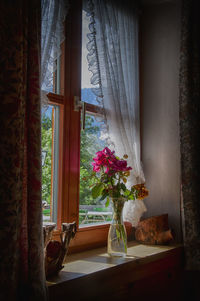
50,117
91,211
58,75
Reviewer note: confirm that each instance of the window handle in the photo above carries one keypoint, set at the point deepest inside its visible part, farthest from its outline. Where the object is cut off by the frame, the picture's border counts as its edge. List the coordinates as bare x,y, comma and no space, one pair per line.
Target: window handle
83,115
80,105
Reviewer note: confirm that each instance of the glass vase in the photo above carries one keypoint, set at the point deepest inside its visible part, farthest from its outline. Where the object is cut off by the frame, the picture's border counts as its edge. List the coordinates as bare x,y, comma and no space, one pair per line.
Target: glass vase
117,237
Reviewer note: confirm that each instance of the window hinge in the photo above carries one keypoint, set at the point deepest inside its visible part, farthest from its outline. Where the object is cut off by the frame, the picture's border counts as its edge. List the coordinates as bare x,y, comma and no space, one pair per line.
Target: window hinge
80,105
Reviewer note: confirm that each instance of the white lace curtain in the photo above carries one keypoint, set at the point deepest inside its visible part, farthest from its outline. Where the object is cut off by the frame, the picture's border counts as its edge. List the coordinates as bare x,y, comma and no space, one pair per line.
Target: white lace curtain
113,59
52,34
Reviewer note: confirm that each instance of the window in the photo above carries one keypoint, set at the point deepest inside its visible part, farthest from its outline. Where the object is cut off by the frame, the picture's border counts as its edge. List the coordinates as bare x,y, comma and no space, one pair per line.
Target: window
69,148
117,45
91,211
49,161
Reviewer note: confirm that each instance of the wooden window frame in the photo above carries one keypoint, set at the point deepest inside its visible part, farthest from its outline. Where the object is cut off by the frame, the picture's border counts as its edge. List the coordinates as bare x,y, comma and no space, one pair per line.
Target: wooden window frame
69,134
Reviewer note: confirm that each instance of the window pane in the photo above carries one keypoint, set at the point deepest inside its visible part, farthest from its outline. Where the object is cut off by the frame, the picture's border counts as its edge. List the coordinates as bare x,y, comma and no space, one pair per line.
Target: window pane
91,211
50,117
58,75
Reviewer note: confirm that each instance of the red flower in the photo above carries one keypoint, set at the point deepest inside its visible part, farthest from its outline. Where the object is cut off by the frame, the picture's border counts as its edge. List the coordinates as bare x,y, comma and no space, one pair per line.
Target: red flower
106,158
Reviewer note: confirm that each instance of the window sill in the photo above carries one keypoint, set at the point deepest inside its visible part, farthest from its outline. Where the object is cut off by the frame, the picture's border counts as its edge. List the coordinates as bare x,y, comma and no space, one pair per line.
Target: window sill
93,275
90,237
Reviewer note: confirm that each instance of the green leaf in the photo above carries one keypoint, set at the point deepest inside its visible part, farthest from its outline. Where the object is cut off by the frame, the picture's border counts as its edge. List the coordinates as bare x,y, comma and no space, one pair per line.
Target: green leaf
107,202
118,234
127,193
96,190
104,195
123,187
124,237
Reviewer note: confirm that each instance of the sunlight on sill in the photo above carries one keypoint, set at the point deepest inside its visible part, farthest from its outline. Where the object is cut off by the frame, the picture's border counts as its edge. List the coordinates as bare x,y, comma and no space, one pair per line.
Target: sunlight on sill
94,261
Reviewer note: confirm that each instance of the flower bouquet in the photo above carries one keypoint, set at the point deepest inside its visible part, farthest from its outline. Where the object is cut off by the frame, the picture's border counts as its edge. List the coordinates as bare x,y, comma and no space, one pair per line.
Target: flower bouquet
110,177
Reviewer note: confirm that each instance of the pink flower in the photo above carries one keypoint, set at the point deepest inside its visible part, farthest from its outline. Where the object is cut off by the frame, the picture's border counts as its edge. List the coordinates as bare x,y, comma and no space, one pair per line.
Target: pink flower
96,167
121,165
107,159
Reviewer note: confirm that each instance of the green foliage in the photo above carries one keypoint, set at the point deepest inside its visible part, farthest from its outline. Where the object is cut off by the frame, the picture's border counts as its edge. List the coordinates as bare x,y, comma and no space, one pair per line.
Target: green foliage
46,146
97,190
106,186
90,144
46,212
107,201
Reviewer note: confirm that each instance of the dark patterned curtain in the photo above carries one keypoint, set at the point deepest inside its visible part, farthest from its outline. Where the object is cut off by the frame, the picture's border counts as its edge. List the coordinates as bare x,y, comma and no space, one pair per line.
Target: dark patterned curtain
21,247
190,129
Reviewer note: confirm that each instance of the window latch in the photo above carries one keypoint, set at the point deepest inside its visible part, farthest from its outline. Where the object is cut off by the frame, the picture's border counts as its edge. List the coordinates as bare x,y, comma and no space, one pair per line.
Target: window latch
80,105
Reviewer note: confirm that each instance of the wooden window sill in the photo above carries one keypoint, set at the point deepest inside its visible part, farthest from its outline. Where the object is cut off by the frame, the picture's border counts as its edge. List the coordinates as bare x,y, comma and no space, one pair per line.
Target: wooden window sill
93,275
90,237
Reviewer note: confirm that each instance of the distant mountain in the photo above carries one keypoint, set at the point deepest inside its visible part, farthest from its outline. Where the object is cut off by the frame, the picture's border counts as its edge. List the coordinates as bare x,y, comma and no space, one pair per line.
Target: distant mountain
88,96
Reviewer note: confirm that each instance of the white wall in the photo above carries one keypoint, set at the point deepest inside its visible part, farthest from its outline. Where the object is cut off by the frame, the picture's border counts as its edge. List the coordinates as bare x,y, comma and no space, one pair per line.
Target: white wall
160,42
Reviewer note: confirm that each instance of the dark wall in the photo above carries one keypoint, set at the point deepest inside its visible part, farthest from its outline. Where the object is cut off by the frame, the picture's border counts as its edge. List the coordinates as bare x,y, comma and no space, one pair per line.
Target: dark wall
160,46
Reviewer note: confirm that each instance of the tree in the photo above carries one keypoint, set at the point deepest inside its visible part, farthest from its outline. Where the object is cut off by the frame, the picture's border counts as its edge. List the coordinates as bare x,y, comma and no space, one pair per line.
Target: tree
46,146
90,144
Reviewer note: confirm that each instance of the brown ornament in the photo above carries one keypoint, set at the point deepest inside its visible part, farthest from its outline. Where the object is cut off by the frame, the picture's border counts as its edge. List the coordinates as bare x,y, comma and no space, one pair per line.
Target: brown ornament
154,230
55,251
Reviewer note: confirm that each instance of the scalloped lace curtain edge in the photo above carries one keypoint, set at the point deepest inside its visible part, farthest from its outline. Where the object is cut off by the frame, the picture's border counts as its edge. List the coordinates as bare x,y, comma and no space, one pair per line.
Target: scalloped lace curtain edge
113,60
